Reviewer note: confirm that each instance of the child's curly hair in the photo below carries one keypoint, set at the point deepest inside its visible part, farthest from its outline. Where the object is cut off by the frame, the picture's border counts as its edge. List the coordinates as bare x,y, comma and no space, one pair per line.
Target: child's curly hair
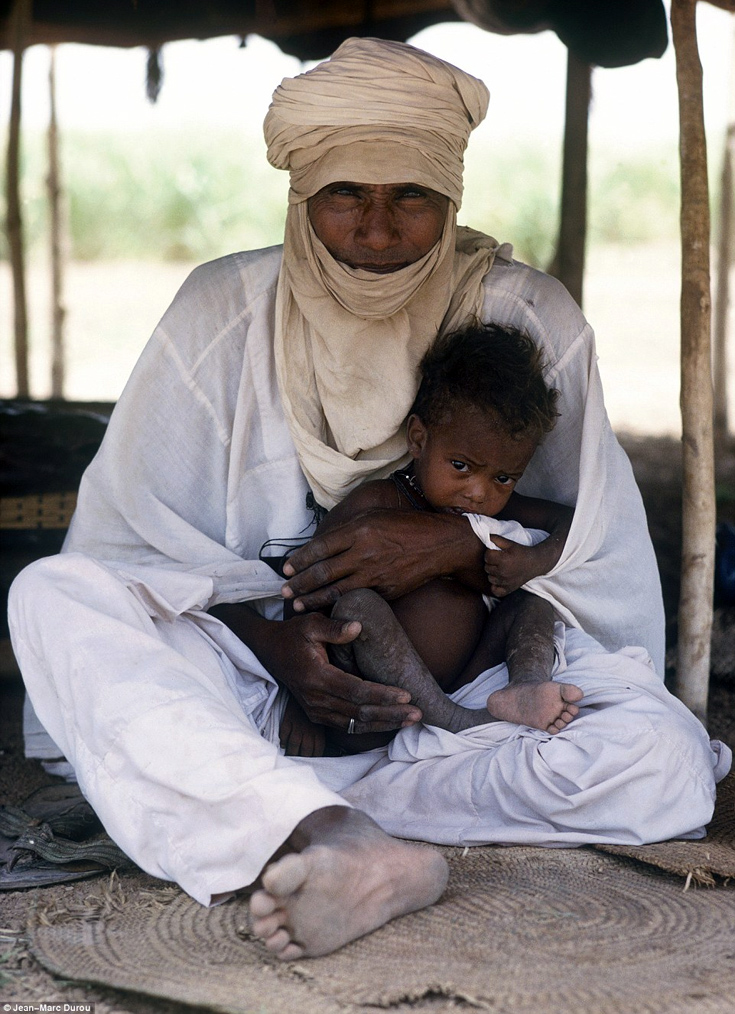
496,369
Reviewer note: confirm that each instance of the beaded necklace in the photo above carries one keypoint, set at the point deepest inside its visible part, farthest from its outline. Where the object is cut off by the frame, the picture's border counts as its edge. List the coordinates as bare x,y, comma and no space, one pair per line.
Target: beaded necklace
406,482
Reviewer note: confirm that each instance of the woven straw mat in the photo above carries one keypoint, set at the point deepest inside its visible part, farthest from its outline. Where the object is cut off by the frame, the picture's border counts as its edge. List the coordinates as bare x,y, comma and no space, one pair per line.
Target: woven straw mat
701,861
521,930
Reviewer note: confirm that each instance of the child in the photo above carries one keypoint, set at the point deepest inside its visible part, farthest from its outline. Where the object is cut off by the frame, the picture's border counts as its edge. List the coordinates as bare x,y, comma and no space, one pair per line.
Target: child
480,412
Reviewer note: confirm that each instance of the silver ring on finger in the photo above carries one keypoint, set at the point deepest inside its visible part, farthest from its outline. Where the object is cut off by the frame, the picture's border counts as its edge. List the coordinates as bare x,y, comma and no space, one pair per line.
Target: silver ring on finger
351,727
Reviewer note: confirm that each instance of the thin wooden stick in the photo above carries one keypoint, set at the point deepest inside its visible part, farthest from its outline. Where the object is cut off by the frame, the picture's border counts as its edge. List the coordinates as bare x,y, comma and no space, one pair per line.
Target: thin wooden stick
58,311
568,265
698,495
724,263
20,19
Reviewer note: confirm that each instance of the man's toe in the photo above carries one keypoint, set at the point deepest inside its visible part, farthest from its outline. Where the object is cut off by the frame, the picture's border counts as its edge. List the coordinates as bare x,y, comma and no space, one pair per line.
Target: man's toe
279,941
285,876
267,926
262,904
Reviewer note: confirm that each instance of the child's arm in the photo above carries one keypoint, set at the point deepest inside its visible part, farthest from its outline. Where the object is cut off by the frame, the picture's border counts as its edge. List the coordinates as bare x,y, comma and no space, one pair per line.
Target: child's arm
514,565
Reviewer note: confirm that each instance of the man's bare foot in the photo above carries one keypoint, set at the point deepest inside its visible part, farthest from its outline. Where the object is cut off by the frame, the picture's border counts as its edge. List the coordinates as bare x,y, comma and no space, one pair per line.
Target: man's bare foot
346,878
547,706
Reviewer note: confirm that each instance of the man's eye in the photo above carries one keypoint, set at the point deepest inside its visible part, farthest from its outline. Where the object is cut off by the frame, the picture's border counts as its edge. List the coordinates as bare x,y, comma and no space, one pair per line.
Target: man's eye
342,190
460,466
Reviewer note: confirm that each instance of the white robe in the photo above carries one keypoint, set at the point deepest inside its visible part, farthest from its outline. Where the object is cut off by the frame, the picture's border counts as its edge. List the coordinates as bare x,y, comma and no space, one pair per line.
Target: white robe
171,722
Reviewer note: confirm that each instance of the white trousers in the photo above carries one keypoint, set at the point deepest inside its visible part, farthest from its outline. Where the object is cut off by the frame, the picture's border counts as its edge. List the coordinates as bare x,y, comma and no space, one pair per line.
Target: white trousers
172,729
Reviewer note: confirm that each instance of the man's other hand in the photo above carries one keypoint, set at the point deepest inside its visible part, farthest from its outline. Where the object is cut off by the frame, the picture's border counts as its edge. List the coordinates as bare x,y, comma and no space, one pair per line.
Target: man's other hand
295,654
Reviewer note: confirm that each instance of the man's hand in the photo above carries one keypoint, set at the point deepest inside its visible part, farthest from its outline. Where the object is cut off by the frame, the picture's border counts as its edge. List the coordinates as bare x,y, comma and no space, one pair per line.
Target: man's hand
511,565
296,655
392,551
294,652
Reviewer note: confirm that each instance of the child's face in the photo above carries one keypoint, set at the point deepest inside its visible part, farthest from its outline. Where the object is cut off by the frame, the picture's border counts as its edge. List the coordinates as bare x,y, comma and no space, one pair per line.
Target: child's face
467,463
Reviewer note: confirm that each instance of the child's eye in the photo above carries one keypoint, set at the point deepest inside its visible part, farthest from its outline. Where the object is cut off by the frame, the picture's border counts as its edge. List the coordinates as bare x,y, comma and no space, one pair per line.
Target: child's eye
504,480
460,466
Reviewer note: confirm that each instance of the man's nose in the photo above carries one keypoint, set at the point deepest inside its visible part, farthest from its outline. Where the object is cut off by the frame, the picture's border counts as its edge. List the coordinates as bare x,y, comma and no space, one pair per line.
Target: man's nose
377,228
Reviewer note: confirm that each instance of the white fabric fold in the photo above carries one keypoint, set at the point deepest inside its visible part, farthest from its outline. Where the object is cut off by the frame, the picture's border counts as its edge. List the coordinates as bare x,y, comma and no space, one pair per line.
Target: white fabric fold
484,527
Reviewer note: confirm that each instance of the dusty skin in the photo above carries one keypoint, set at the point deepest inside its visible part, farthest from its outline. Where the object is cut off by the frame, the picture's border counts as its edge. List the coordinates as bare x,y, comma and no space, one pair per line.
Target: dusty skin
345,878
384,654
547,706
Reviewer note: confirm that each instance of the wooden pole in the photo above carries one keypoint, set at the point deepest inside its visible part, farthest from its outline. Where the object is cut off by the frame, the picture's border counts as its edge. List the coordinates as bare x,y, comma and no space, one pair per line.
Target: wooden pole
20,20
568,265
724,263
53,181
698,494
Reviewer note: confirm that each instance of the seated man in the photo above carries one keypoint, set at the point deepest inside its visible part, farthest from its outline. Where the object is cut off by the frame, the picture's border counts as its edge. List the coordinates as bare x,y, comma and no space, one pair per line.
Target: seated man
282,377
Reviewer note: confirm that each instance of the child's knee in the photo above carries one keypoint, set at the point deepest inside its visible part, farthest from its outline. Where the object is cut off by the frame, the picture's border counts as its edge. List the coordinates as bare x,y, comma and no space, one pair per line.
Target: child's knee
364,605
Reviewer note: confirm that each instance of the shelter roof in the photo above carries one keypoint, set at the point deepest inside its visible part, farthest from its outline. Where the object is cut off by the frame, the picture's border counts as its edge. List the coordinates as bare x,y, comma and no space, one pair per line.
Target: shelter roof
609,33
308,29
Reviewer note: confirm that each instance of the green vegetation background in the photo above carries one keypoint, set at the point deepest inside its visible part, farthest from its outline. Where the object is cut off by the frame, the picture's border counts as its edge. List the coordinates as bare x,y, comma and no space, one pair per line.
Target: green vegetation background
192,196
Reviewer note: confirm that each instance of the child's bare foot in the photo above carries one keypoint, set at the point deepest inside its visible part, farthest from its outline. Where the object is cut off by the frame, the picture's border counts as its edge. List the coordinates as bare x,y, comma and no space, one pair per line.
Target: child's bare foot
349,879
547,706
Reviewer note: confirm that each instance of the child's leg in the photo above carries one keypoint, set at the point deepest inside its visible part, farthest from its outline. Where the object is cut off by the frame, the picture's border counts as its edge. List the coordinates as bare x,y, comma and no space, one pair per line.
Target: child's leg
524,624
443,619
444,622
519,631
384,654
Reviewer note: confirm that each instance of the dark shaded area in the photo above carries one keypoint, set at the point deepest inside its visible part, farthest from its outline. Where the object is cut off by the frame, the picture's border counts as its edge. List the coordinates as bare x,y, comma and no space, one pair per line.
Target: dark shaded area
308,29
657,466
44,448
610,34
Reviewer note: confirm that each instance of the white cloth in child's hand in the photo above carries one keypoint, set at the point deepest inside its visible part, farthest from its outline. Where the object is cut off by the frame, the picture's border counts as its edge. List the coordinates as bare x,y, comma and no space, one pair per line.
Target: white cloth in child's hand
484,527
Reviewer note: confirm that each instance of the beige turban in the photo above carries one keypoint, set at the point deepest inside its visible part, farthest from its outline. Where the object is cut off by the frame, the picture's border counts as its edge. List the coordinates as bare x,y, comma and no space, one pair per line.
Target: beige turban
388,100
348,341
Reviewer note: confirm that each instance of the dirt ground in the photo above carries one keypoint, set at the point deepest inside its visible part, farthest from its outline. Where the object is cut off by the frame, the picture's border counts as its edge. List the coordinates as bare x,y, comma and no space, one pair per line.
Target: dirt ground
656,462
